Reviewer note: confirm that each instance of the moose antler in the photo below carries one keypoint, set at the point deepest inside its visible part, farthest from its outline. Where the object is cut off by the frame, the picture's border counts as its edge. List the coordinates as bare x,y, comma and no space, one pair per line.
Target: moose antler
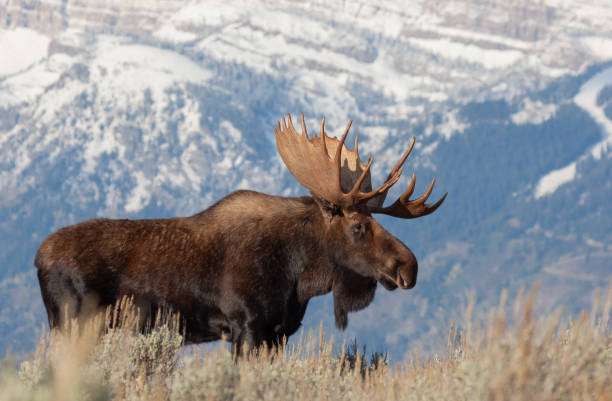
311,164
328,168
409,209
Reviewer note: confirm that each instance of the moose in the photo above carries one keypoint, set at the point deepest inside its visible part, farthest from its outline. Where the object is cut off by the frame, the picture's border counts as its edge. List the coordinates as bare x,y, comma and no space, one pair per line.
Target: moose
245,268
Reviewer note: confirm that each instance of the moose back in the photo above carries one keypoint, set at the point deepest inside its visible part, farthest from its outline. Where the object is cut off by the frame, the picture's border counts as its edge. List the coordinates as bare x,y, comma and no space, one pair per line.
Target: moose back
245,268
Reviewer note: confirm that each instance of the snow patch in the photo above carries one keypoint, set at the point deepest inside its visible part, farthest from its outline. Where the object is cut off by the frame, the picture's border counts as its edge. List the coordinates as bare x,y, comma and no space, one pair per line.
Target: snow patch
374,139
451,125
190,126
20,48
262,50
489,58
230,131
587,100
478,36
102,141
26,86
211,13
600,47
123,70
189,164
533,112
308,29
553,180
429,149
124,73
169,33
140,195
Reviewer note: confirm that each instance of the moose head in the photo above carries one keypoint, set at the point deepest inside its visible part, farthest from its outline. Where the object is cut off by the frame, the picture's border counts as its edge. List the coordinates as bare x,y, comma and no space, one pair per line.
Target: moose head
341,185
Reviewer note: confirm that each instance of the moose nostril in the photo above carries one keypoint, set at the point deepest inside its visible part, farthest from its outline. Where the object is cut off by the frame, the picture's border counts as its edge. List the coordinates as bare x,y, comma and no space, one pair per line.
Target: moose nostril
407,275
406,283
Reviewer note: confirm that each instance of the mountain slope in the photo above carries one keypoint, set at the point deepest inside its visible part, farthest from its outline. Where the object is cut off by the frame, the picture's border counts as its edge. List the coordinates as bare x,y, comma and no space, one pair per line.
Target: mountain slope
119,110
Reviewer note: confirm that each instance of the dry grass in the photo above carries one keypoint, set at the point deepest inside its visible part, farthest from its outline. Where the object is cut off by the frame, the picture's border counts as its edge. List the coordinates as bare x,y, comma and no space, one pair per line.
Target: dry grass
513,356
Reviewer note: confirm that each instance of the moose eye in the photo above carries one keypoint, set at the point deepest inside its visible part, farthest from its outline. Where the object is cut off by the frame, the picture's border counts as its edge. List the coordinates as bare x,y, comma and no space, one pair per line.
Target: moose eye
358,229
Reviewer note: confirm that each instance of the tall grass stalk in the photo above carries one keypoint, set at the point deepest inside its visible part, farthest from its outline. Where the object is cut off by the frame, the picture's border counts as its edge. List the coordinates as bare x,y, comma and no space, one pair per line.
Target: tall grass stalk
516,357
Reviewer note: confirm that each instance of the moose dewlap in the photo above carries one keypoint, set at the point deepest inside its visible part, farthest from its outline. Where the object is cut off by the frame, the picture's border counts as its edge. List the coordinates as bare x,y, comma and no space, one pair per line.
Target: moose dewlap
245,268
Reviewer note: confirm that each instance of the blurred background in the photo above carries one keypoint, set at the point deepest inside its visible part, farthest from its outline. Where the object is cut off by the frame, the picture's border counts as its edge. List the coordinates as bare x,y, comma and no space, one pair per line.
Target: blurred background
138,109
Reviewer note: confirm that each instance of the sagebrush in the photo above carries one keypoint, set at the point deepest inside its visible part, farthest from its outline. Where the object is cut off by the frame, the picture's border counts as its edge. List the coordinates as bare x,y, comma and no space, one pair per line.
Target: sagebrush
513,356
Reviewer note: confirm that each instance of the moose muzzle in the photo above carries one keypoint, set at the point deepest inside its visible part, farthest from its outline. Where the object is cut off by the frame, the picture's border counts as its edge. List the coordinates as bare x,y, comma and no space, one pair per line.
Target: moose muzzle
406,275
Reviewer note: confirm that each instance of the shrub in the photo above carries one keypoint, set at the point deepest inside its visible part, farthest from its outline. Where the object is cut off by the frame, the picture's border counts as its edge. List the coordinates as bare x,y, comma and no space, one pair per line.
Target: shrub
516,356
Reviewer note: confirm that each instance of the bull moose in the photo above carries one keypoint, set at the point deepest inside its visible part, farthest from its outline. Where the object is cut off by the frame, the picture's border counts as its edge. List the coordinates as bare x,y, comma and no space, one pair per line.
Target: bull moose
245,268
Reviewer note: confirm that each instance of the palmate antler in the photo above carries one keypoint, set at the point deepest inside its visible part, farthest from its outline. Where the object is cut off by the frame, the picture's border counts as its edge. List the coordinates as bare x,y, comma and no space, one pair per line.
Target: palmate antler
328,168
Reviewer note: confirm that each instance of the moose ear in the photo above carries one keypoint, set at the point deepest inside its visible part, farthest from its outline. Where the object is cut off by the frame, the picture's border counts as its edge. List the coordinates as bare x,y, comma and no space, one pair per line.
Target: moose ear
328,209
352,292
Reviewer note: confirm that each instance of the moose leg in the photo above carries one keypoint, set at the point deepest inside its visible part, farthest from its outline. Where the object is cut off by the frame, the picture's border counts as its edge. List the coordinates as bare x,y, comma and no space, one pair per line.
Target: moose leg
53,309
236,336
252,337
245,337
236,350
63,292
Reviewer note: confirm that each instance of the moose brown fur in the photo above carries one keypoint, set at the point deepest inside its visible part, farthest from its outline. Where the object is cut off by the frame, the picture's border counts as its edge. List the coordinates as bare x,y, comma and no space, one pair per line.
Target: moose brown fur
245,268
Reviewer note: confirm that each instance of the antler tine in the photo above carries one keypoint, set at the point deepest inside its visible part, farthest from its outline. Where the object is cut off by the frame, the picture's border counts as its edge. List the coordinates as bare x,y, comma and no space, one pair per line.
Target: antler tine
347,198
290,122
324,147
355,194
389,182
361,196
410,190
342,140
403,207
362,177
392,178
432,208
424,197
408,209
397,170
400,163
304,131
322,126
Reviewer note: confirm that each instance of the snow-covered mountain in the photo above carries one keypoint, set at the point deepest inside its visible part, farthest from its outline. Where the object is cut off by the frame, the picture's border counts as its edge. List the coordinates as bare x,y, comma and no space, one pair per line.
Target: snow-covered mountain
140,109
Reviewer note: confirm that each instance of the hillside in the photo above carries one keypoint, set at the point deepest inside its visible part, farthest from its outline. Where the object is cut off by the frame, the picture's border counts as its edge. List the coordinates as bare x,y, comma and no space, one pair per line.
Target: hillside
121,110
